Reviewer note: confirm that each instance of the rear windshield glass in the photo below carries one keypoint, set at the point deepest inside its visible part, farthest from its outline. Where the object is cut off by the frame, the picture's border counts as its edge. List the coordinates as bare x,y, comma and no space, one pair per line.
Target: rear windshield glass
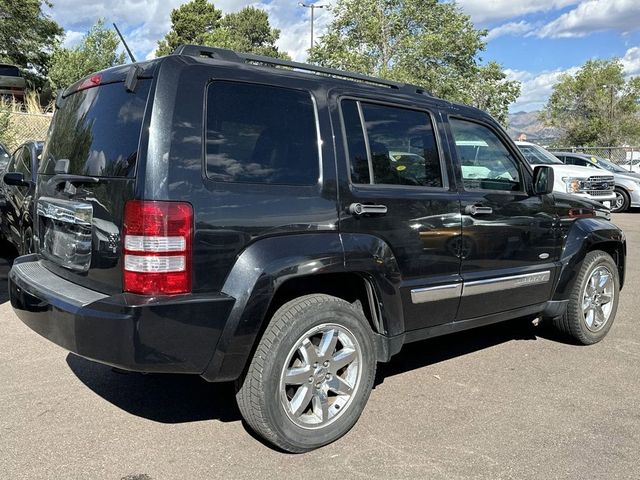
9,71
96,132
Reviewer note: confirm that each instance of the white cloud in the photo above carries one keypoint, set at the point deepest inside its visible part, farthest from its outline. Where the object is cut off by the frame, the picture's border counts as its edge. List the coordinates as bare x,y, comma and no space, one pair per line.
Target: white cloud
72,38
485,12
536,87
595,16
144,22
631,61
511,28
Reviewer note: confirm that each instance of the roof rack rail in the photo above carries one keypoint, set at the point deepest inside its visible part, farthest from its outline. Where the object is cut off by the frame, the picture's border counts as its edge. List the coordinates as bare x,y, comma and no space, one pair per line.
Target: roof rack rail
232,56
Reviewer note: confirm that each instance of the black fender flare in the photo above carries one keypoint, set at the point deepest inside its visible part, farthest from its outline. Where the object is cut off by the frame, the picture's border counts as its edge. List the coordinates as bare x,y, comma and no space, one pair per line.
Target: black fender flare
267,263
585,235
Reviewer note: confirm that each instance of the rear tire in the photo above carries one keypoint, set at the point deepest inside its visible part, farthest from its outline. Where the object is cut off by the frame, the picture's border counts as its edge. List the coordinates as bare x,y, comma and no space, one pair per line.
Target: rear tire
594,300
622,201
311,375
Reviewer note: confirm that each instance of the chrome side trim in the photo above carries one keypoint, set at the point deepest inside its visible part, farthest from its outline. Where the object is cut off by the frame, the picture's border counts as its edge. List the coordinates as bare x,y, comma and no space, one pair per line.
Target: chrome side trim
505,283
433,294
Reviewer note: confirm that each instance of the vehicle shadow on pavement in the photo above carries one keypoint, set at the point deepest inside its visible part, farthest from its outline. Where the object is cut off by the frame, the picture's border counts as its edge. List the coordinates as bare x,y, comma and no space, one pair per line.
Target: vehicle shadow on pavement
429,352
162,398
188,398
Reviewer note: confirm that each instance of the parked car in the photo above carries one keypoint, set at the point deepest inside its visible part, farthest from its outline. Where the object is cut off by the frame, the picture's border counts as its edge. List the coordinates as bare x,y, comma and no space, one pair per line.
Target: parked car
18,189
4,157
12,83
257,230
627,187
573,179
632,166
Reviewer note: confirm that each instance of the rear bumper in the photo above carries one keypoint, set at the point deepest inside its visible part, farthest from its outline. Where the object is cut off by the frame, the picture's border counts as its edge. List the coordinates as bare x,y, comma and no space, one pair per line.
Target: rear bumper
170,334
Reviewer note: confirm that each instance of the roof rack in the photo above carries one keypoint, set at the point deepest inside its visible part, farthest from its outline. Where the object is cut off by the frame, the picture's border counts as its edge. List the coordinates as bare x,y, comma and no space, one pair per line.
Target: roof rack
232,56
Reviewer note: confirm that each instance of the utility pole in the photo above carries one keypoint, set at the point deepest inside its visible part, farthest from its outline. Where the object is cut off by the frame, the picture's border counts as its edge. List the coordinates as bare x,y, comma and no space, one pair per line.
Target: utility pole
313,9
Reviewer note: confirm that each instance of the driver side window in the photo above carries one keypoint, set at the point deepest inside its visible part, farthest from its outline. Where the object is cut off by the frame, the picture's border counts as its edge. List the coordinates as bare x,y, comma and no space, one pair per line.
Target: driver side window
486,162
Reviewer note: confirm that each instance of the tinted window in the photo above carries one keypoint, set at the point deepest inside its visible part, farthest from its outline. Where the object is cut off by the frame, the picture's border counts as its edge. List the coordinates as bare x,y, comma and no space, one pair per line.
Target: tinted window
486,161
9,71
401,142
358,161
97,130
23,164
261,134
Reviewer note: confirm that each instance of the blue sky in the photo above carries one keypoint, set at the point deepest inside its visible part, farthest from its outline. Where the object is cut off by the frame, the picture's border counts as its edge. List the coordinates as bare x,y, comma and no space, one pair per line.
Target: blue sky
534,40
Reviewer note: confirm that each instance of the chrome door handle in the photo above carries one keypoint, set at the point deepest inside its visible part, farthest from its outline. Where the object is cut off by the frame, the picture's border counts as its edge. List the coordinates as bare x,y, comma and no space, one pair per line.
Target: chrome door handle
358,209
474,210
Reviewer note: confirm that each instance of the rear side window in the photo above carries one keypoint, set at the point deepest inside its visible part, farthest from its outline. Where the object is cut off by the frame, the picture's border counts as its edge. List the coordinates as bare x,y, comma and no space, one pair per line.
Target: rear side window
396,147
261,134
96,132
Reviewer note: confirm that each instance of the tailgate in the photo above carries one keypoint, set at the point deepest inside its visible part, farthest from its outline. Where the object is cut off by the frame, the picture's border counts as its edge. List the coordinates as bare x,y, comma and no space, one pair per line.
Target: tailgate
87,174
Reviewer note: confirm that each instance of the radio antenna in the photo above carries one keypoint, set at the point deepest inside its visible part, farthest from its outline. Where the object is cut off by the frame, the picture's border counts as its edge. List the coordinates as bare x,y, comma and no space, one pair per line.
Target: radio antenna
133,59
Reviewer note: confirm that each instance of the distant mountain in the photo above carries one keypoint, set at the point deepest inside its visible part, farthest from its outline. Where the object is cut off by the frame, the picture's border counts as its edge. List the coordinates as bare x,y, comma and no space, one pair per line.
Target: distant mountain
529,123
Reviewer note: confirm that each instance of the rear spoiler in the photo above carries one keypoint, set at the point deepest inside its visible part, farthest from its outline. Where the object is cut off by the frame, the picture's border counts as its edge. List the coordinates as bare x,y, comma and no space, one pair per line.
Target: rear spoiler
128,74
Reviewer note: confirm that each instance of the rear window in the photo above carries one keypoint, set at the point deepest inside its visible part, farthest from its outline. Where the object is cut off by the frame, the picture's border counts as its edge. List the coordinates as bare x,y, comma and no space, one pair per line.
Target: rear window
96,132
261,134
9,71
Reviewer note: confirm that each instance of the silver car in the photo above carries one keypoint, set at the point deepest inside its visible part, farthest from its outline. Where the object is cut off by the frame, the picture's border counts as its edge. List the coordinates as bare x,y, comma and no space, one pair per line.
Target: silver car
12,83
627,183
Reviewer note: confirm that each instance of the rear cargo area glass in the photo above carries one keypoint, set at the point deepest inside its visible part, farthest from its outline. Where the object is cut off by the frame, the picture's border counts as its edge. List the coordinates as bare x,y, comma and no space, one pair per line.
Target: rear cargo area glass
96,132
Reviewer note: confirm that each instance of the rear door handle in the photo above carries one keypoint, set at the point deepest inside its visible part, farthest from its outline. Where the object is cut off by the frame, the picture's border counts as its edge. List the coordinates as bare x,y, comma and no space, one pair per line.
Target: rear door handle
474,210
358,209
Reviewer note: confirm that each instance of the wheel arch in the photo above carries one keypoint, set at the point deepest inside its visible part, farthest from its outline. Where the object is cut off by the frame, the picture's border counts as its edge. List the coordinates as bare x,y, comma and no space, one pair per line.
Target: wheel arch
274,270
584,236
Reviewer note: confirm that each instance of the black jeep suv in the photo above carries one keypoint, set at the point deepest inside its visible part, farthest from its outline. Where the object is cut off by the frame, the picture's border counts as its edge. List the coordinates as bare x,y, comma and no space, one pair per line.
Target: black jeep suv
287,227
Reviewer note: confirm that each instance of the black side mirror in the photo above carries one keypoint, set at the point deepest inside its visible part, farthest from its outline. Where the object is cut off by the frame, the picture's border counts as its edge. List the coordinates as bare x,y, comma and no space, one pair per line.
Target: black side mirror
15,179
543,178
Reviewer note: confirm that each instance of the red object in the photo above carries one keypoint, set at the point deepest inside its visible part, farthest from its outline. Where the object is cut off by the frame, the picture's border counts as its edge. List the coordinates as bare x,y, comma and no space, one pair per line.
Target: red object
157,223
92,81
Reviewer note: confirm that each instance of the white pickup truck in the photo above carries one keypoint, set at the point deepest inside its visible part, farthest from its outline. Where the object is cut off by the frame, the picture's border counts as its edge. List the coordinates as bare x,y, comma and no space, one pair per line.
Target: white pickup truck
576,180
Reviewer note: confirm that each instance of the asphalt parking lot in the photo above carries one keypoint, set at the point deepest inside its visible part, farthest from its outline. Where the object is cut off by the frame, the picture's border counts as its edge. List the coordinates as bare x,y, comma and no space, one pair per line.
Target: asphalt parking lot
507,401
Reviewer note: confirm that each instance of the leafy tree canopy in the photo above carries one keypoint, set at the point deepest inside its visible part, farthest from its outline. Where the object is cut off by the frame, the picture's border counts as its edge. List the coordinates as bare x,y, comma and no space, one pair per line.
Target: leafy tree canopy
596,107
26,37
425,42
189,24
200,22
248,30
96,51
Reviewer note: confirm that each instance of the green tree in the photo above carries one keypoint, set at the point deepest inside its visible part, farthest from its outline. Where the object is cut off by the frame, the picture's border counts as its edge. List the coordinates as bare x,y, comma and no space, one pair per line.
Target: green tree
489,90
190,23
26,35
596,106
425,42
97,51
248,31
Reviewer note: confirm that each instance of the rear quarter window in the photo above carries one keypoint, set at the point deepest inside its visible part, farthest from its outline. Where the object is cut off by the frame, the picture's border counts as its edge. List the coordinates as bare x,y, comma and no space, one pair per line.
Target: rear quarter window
261,134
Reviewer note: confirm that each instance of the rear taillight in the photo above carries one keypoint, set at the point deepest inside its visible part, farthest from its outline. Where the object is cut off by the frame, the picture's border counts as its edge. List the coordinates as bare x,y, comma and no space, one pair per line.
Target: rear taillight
157,247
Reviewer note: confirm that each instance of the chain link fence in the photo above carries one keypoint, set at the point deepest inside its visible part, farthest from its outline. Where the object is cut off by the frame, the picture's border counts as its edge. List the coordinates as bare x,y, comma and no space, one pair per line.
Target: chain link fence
26,126
626,157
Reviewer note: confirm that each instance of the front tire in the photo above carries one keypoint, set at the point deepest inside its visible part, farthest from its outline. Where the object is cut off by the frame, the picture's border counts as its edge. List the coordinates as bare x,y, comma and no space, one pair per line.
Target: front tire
622,201
311,375
594,300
